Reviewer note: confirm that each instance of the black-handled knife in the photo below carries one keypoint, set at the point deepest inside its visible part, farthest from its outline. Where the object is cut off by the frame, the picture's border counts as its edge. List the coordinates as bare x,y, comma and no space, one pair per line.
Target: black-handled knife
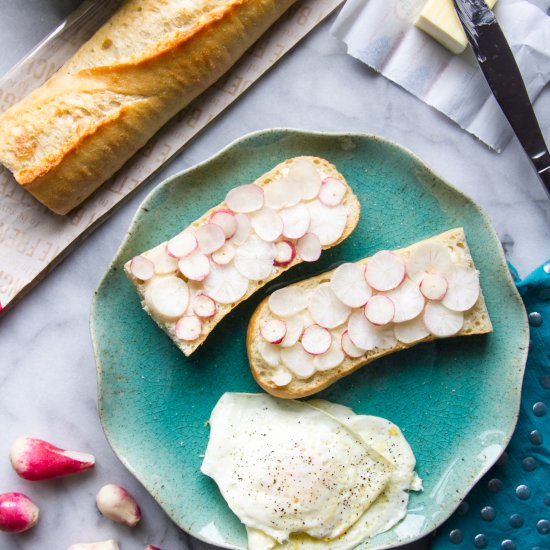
497,63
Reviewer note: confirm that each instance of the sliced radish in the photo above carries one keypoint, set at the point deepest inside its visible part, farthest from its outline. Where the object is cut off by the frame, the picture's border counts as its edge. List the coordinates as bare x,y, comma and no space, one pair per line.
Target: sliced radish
330,359
203,306
349,284
327,222
379,310
181,244
224,255
294,330
385,270
463,289
142,268
309,248
367,336
243,229
434,286
428,258
274,331
282,378
332,191
408,301
254,259
441,321
316,340
270,353
295,221
298,361
225,284
325,307
188,328
210,237
267,224
226,220
307,319
167,297
282,193
164,263
288,301
285,252
245,198
349,348
411,331
306,175
194,266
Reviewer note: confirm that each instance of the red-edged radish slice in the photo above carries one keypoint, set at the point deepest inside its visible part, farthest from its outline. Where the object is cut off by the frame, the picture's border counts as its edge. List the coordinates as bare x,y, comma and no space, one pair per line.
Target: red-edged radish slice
288,301
210,237
188,328
267,224
411,331
379,310
307,319
243,229
349,348
225,284
330,359
428,258
226,220
349,284
327,222
167,297
223,255
332,191
304,173
368,336
297,360
408,301
285,252
254,259
282,193
325,307
181,245
274,331
270,353
316,340
245,198
142,268
194,266
164,263
294,330
434,286
295,221
309,248
441,321
282,378
463,290
203,306
385,271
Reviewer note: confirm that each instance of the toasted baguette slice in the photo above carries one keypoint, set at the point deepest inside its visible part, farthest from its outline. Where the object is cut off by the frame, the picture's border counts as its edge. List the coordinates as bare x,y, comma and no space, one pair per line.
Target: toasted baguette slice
274,375
165,266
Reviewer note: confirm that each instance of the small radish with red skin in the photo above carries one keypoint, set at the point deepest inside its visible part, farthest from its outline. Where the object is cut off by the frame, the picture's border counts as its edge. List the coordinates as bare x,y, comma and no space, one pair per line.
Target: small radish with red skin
18,513
309,248
297,360
226,220
325,307
195,266
225,284
224,255
285,252
105,545
267,224
204,306
210,237
287,301
245,198
434,286
142,268
411,331
429,258
188,328
316,340
150,547
463,290
117,504
332,191
442,322
296,221
181,245
349,348
307,178
274,331
408,301
327,222
243,229
37,460
385,271
282,378
349,284
379,310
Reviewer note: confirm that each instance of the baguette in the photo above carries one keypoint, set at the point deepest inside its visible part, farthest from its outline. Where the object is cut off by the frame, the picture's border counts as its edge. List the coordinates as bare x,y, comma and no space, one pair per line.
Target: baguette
297,374
150,60
296,171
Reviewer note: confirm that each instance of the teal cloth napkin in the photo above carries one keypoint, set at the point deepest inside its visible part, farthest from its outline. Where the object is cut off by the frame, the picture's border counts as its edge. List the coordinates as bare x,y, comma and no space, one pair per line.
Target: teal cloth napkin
509,508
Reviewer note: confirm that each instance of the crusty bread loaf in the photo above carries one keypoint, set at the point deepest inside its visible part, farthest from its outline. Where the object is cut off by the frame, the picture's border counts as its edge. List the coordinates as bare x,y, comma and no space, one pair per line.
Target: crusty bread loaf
476,321
350,203
144,65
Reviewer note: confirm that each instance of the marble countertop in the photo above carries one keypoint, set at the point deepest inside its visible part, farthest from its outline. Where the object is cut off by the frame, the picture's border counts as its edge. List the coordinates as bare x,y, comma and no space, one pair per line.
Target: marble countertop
47,368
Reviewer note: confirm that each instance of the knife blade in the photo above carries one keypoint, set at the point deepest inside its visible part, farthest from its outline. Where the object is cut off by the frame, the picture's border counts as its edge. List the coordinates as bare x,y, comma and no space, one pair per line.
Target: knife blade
497,62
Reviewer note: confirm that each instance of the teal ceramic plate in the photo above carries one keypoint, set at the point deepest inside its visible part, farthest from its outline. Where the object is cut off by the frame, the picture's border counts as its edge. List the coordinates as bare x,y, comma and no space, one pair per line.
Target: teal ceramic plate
456,400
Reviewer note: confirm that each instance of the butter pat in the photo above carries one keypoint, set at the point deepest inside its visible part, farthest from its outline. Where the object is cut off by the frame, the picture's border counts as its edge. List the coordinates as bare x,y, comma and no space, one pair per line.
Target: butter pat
438,19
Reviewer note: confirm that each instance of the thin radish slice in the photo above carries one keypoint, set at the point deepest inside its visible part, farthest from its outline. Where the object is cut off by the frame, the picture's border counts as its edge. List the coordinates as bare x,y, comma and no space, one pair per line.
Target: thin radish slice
294,330
245,198
463,290
332,191
349,348
327,222
267,224
298,361
167,297
164,263
306,175
316,340
408,301
385,271
282,193
188,328
428,258
411,331
224,255
288,301
349,284
307,319
181,245
274,331
434,286
309,248
243,229
295,221
282,378
195,266
254,259
379,310
325,307
210,237
270,353
225,284
441,321
203,306
330,359
142,268
226,220
367,336
285,252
